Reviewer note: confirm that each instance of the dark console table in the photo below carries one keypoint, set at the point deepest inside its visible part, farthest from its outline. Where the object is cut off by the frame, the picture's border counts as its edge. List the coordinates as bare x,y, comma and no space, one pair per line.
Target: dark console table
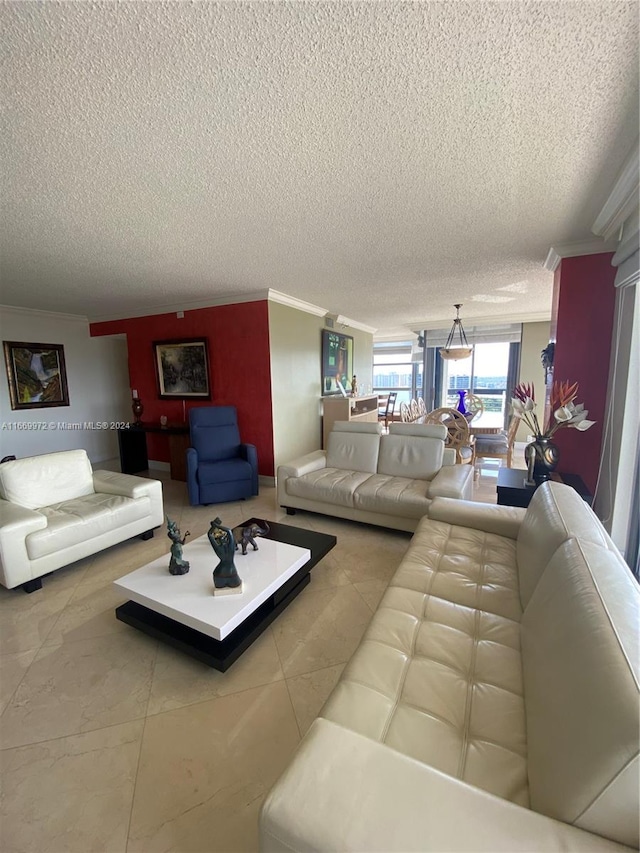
132,442
513,492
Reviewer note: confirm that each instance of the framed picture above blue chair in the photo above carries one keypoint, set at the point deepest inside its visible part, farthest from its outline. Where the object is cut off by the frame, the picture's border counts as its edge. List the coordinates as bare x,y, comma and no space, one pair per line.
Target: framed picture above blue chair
220,467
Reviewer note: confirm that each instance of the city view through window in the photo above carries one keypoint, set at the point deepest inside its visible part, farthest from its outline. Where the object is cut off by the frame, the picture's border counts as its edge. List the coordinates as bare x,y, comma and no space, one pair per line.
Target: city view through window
484,374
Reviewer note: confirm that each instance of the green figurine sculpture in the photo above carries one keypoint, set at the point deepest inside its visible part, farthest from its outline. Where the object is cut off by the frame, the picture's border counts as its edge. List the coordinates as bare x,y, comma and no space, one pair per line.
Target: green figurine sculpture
177,566
223,543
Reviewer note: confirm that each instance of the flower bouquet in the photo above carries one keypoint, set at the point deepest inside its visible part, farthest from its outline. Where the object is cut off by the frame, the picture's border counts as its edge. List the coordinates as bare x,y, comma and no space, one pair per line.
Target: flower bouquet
542,455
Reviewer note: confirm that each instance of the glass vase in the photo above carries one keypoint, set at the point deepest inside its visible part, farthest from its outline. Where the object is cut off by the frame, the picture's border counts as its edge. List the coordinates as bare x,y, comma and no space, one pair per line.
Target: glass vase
462,408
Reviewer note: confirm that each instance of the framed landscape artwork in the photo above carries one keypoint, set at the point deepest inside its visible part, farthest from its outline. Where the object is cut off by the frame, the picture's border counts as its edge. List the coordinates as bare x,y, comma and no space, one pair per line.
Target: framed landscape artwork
182,369
37,375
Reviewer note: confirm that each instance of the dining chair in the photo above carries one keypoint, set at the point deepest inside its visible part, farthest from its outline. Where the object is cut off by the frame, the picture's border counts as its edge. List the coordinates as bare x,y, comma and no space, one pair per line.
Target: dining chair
405,413
385,414
498,445
475,406
458,436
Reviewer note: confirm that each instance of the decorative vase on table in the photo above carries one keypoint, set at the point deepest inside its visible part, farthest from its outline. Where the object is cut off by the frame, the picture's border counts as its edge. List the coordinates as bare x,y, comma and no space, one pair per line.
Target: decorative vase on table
542,457
462,407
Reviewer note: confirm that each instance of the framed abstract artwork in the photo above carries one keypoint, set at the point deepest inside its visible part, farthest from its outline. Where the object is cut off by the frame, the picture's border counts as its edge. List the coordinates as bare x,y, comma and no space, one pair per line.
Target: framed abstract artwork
337,362
182,369
37,375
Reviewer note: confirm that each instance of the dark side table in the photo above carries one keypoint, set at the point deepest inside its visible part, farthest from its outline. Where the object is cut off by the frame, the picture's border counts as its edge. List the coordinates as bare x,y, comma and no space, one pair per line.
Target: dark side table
132,441
513,492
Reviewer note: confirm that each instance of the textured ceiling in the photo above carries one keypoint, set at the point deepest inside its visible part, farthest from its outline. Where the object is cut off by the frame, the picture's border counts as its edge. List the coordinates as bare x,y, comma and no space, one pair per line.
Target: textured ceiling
381,160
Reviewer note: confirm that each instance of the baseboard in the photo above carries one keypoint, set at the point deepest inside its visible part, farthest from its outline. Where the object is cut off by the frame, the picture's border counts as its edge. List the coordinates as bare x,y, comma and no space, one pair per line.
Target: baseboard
267,482
159,466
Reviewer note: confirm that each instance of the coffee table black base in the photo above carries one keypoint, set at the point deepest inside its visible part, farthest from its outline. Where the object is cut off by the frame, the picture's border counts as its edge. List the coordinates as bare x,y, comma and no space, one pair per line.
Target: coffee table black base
220,654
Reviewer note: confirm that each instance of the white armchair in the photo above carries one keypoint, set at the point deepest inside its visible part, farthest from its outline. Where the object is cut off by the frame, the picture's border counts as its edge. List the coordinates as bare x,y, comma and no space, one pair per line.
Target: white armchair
54,510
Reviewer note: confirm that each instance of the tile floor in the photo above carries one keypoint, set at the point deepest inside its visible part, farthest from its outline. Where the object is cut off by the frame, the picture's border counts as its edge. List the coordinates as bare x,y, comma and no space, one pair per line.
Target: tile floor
111,741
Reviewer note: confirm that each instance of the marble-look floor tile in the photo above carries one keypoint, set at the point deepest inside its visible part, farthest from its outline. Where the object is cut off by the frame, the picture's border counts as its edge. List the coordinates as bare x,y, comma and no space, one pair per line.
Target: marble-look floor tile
119,560
205,770
80,686
372,592
71,794
309,693
375,559
27,618
12,670
328,573
180,680
89,613
320,629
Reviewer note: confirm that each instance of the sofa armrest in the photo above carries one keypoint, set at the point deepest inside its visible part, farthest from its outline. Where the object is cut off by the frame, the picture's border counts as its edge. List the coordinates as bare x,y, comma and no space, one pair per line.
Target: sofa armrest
501,520
16,523
452,481
130,486
296,468
303,464
249,452
346,792
449,456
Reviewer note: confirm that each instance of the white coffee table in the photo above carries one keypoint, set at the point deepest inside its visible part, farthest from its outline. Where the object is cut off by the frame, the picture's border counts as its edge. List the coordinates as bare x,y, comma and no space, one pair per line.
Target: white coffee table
183,611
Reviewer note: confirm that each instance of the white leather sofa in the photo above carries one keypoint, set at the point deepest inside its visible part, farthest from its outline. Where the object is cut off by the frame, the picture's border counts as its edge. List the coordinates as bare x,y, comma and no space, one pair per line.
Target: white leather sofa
493,703
54,509
388,480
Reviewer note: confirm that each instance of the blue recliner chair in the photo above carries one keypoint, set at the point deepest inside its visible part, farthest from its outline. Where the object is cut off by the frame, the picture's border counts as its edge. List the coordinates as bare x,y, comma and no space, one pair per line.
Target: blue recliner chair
219,467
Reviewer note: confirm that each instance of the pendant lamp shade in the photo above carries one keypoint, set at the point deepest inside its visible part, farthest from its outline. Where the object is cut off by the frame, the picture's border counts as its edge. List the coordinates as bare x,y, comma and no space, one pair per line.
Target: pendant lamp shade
455,350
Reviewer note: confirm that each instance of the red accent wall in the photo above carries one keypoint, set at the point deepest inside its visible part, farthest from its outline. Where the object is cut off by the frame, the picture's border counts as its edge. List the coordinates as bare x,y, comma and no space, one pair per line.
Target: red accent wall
584,298
239,369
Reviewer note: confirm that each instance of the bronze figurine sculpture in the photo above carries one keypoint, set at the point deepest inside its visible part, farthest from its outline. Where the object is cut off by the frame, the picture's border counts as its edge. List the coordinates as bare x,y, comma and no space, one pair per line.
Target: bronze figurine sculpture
177,565
246,535
223,543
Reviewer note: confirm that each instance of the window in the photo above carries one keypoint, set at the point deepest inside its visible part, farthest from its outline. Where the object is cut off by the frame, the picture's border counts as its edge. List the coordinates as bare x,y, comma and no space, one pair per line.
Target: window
393,370
484,374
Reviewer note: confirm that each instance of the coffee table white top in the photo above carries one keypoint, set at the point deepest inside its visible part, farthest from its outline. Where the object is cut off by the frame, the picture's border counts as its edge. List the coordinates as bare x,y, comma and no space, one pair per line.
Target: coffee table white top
189,598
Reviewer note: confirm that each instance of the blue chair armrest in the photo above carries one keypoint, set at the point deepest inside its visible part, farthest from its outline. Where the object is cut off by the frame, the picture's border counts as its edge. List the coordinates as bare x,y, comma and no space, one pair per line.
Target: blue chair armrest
250,453
192,476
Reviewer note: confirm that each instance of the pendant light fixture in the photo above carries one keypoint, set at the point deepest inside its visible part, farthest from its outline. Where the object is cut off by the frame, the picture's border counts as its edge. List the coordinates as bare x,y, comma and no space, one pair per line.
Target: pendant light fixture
454,351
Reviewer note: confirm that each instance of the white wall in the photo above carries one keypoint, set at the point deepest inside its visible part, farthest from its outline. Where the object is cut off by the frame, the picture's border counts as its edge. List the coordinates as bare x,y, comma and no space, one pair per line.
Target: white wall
98,381
295,343
535,337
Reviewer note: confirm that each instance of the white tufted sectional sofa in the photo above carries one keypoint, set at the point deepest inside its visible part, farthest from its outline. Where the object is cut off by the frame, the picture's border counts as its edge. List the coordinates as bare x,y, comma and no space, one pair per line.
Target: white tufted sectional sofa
54,509
388,480
493,703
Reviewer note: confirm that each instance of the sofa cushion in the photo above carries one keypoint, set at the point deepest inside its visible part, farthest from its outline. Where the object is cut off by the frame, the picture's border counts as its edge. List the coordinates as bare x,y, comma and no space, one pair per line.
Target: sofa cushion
442,683
80,519
353,451
332,485
410,456
462,565
392,496
224,471
581,663
38,481
556,513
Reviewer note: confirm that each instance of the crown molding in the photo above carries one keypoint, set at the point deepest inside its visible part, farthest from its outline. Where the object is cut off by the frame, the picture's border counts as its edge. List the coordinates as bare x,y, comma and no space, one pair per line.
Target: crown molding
298,304
316,310
574,250
39,312
175,307
354,324
630,241
623,199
